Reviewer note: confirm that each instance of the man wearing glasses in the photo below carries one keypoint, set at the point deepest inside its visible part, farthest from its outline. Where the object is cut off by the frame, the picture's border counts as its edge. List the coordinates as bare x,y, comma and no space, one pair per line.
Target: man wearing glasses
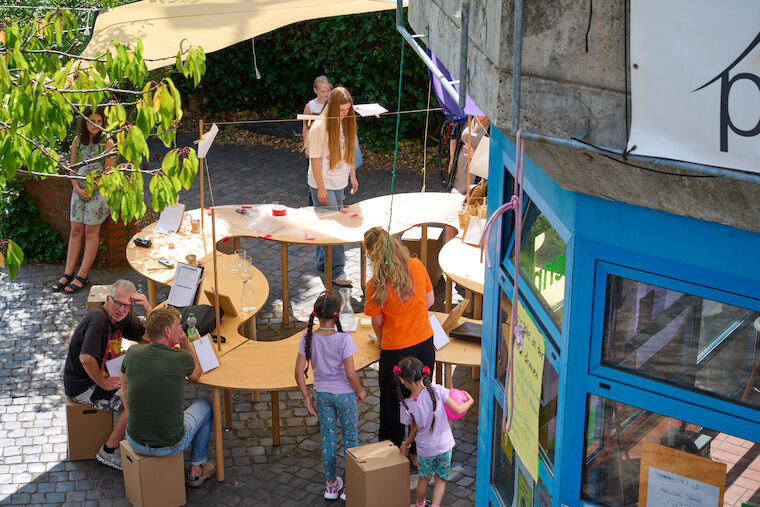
96,340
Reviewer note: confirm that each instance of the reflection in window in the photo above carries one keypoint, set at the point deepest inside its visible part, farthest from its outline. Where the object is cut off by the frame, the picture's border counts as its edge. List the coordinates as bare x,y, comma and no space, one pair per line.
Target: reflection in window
542,262
683,339
502,460
612,458
547,412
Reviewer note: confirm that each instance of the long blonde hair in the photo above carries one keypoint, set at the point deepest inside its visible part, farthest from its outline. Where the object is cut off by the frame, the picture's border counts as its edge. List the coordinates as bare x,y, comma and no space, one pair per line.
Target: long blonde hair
331,113
393,274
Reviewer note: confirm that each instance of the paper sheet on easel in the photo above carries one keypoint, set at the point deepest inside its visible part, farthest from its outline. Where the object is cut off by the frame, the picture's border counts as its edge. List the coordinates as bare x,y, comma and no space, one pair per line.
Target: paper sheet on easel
474,231
205,352
479,162
171,219
206,141
373,109
439,335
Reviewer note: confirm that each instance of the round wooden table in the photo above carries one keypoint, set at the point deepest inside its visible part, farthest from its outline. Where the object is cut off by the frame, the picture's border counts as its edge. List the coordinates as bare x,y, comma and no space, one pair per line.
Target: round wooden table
460,262
299,225
267,366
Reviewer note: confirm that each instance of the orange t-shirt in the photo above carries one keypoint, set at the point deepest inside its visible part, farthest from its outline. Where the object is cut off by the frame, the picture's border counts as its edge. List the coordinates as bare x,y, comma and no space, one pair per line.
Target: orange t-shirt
404,323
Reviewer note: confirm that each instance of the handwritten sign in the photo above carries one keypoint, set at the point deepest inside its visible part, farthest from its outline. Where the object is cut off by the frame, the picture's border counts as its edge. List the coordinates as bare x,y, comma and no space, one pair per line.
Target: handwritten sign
667,488
673,478
529,369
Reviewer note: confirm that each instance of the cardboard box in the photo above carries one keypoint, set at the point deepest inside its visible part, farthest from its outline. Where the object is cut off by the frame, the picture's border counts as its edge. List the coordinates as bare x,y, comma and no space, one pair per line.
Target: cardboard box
97,295
377,475
88,429
412,239
153,481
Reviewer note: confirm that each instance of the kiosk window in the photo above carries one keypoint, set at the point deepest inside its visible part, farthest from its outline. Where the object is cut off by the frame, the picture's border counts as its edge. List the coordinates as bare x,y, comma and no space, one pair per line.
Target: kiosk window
682,339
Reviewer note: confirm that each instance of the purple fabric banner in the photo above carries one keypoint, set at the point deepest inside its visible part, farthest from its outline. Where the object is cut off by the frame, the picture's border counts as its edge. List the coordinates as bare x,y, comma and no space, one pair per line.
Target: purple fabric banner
450,106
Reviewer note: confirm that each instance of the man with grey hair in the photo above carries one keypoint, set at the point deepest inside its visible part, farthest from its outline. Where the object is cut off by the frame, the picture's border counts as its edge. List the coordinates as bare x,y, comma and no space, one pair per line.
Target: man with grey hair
97,339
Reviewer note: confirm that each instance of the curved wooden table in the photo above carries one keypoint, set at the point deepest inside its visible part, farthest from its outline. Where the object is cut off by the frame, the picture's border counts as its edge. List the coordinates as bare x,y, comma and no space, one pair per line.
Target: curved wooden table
461,263
267,366
299,226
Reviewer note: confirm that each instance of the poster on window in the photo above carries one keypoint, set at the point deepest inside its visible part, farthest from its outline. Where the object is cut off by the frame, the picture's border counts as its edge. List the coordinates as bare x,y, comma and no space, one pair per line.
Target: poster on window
695,81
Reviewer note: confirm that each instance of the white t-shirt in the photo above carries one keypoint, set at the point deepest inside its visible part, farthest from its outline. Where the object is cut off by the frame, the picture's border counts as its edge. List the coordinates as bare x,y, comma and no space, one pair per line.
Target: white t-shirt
337,178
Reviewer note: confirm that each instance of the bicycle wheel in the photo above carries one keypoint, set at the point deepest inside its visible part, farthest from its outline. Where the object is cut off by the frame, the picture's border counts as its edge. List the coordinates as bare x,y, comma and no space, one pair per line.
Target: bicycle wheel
444,152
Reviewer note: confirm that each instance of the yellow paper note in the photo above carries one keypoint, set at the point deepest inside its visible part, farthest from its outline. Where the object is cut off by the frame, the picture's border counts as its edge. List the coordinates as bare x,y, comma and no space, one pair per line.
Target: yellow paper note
529,368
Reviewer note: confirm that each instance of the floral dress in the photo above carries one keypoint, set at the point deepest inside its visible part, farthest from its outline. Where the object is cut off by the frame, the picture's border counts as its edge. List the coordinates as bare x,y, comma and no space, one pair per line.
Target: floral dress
95,211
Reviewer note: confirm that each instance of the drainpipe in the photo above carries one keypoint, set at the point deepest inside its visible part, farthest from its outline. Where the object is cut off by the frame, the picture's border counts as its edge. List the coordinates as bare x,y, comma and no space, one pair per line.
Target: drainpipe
447,85
517,65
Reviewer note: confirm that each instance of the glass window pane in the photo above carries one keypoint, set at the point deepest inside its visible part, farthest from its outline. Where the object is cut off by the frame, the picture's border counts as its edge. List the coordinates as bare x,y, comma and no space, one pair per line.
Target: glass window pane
612,458
547,413
502,461
542,262
682,339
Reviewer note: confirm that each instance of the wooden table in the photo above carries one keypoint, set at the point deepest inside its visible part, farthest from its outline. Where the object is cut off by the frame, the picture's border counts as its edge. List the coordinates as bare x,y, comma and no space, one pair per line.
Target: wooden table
267,366
299,226
460,262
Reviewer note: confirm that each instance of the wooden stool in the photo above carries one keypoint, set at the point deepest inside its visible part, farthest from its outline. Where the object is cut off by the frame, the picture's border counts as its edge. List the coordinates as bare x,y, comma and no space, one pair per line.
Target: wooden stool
152,480
88,429
97,295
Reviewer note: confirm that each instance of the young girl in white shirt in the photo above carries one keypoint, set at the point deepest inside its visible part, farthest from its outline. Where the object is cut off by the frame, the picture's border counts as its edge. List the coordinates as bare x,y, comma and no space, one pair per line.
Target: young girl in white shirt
423,411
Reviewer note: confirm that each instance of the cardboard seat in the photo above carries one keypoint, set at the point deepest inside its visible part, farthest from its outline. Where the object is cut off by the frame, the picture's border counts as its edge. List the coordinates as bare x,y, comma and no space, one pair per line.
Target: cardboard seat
153,481
88,429
97,295
412,239
377,475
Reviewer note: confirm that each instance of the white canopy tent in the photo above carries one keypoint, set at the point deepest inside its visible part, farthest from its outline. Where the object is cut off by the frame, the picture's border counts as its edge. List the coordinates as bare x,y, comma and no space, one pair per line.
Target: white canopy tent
210,24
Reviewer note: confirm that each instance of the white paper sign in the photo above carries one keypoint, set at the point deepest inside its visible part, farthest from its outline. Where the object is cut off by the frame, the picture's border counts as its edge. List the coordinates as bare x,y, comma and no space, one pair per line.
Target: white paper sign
171,219
205,352
113,366
373,109
667,488
479,162
695,81
474,231
206,140
439,335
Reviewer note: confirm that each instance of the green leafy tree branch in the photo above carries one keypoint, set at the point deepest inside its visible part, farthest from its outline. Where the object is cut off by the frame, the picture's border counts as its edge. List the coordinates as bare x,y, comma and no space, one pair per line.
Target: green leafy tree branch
44,89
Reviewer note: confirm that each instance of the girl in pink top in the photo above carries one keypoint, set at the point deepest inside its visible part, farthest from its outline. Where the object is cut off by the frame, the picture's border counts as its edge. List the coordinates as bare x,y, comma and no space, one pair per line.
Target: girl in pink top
430,428
330,352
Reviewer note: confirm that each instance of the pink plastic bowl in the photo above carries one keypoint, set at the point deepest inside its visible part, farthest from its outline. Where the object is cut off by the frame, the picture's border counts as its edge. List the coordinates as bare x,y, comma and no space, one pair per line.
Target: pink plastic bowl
459,397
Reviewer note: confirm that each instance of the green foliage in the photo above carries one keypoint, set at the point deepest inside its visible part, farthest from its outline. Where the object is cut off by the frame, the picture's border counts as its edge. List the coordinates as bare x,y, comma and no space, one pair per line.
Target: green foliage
20,222
46,88
360,52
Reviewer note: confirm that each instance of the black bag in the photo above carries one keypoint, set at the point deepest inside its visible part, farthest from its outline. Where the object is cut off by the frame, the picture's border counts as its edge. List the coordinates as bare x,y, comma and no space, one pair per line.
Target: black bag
204,314
470,331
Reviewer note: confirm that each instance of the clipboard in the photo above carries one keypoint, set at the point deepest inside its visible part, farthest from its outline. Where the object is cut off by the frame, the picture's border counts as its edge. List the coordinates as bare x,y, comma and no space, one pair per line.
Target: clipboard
184,291
224,302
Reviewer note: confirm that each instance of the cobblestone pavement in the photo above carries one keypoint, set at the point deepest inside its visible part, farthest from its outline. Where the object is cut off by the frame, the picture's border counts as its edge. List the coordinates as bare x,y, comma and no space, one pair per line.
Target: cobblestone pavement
36,325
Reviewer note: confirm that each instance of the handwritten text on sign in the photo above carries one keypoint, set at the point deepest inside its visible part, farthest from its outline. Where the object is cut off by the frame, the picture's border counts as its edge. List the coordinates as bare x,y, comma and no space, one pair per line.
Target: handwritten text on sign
672,490
529,369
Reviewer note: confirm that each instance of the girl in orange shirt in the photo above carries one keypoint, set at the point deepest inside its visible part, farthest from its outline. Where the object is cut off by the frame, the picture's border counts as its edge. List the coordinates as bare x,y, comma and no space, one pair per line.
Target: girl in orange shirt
397,298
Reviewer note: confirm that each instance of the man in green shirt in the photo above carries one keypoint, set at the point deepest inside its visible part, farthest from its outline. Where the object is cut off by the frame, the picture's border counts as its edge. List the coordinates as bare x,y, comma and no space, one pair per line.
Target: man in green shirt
153,378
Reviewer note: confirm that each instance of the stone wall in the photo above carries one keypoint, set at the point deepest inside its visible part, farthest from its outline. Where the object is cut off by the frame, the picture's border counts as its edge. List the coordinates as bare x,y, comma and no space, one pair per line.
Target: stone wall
53,198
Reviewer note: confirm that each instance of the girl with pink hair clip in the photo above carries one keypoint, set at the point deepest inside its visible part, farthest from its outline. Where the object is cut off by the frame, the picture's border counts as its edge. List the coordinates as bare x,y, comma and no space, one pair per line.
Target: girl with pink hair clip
430,429
330,352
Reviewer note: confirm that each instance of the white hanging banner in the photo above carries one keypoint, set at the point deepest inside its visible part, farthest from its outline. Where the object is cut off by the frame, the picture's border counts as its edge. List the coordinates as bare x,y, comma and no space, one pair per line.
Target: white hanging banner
695,81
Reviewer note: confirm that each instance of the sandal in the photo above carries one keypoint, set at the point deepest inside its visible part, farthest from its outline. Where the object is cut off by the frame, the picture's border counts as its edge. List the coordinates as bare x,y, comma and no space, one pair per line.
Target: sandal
71,288
209,469
58,286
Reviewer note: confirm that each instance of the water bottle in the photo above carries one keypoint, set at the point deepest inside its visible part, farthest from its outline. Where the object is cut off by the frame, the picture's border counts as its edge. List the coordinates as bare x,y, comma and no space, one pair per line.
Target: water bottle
192,331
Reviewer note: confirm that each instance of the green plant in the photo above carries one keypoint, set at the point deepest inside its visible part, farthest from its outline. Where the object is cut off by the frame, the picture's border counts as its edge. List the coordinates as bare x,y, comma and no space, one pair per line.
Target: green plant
20,222
360,52
46,88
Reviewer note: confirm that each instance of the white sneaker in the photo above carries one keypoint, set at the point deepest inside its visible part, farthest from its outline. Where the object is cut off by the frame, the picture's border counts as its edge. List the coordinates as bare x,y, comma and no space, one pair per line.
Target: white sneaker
332,491
343,495
111,459
342,279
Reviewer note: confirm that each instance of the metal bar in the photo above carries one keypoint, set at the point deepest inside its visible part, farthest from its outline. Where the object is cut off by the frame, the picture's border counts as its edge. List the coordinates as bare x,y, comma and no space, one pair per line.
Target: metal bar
465,18
426,59
517,66
658,162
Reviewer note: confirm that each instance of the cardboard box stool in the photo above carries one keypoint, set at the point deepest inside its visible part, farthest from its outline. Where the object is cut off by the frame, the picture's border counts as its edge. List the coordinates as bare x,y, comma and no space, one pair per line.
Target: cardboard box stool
88,429
97,295
153,481
377,475
412,239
